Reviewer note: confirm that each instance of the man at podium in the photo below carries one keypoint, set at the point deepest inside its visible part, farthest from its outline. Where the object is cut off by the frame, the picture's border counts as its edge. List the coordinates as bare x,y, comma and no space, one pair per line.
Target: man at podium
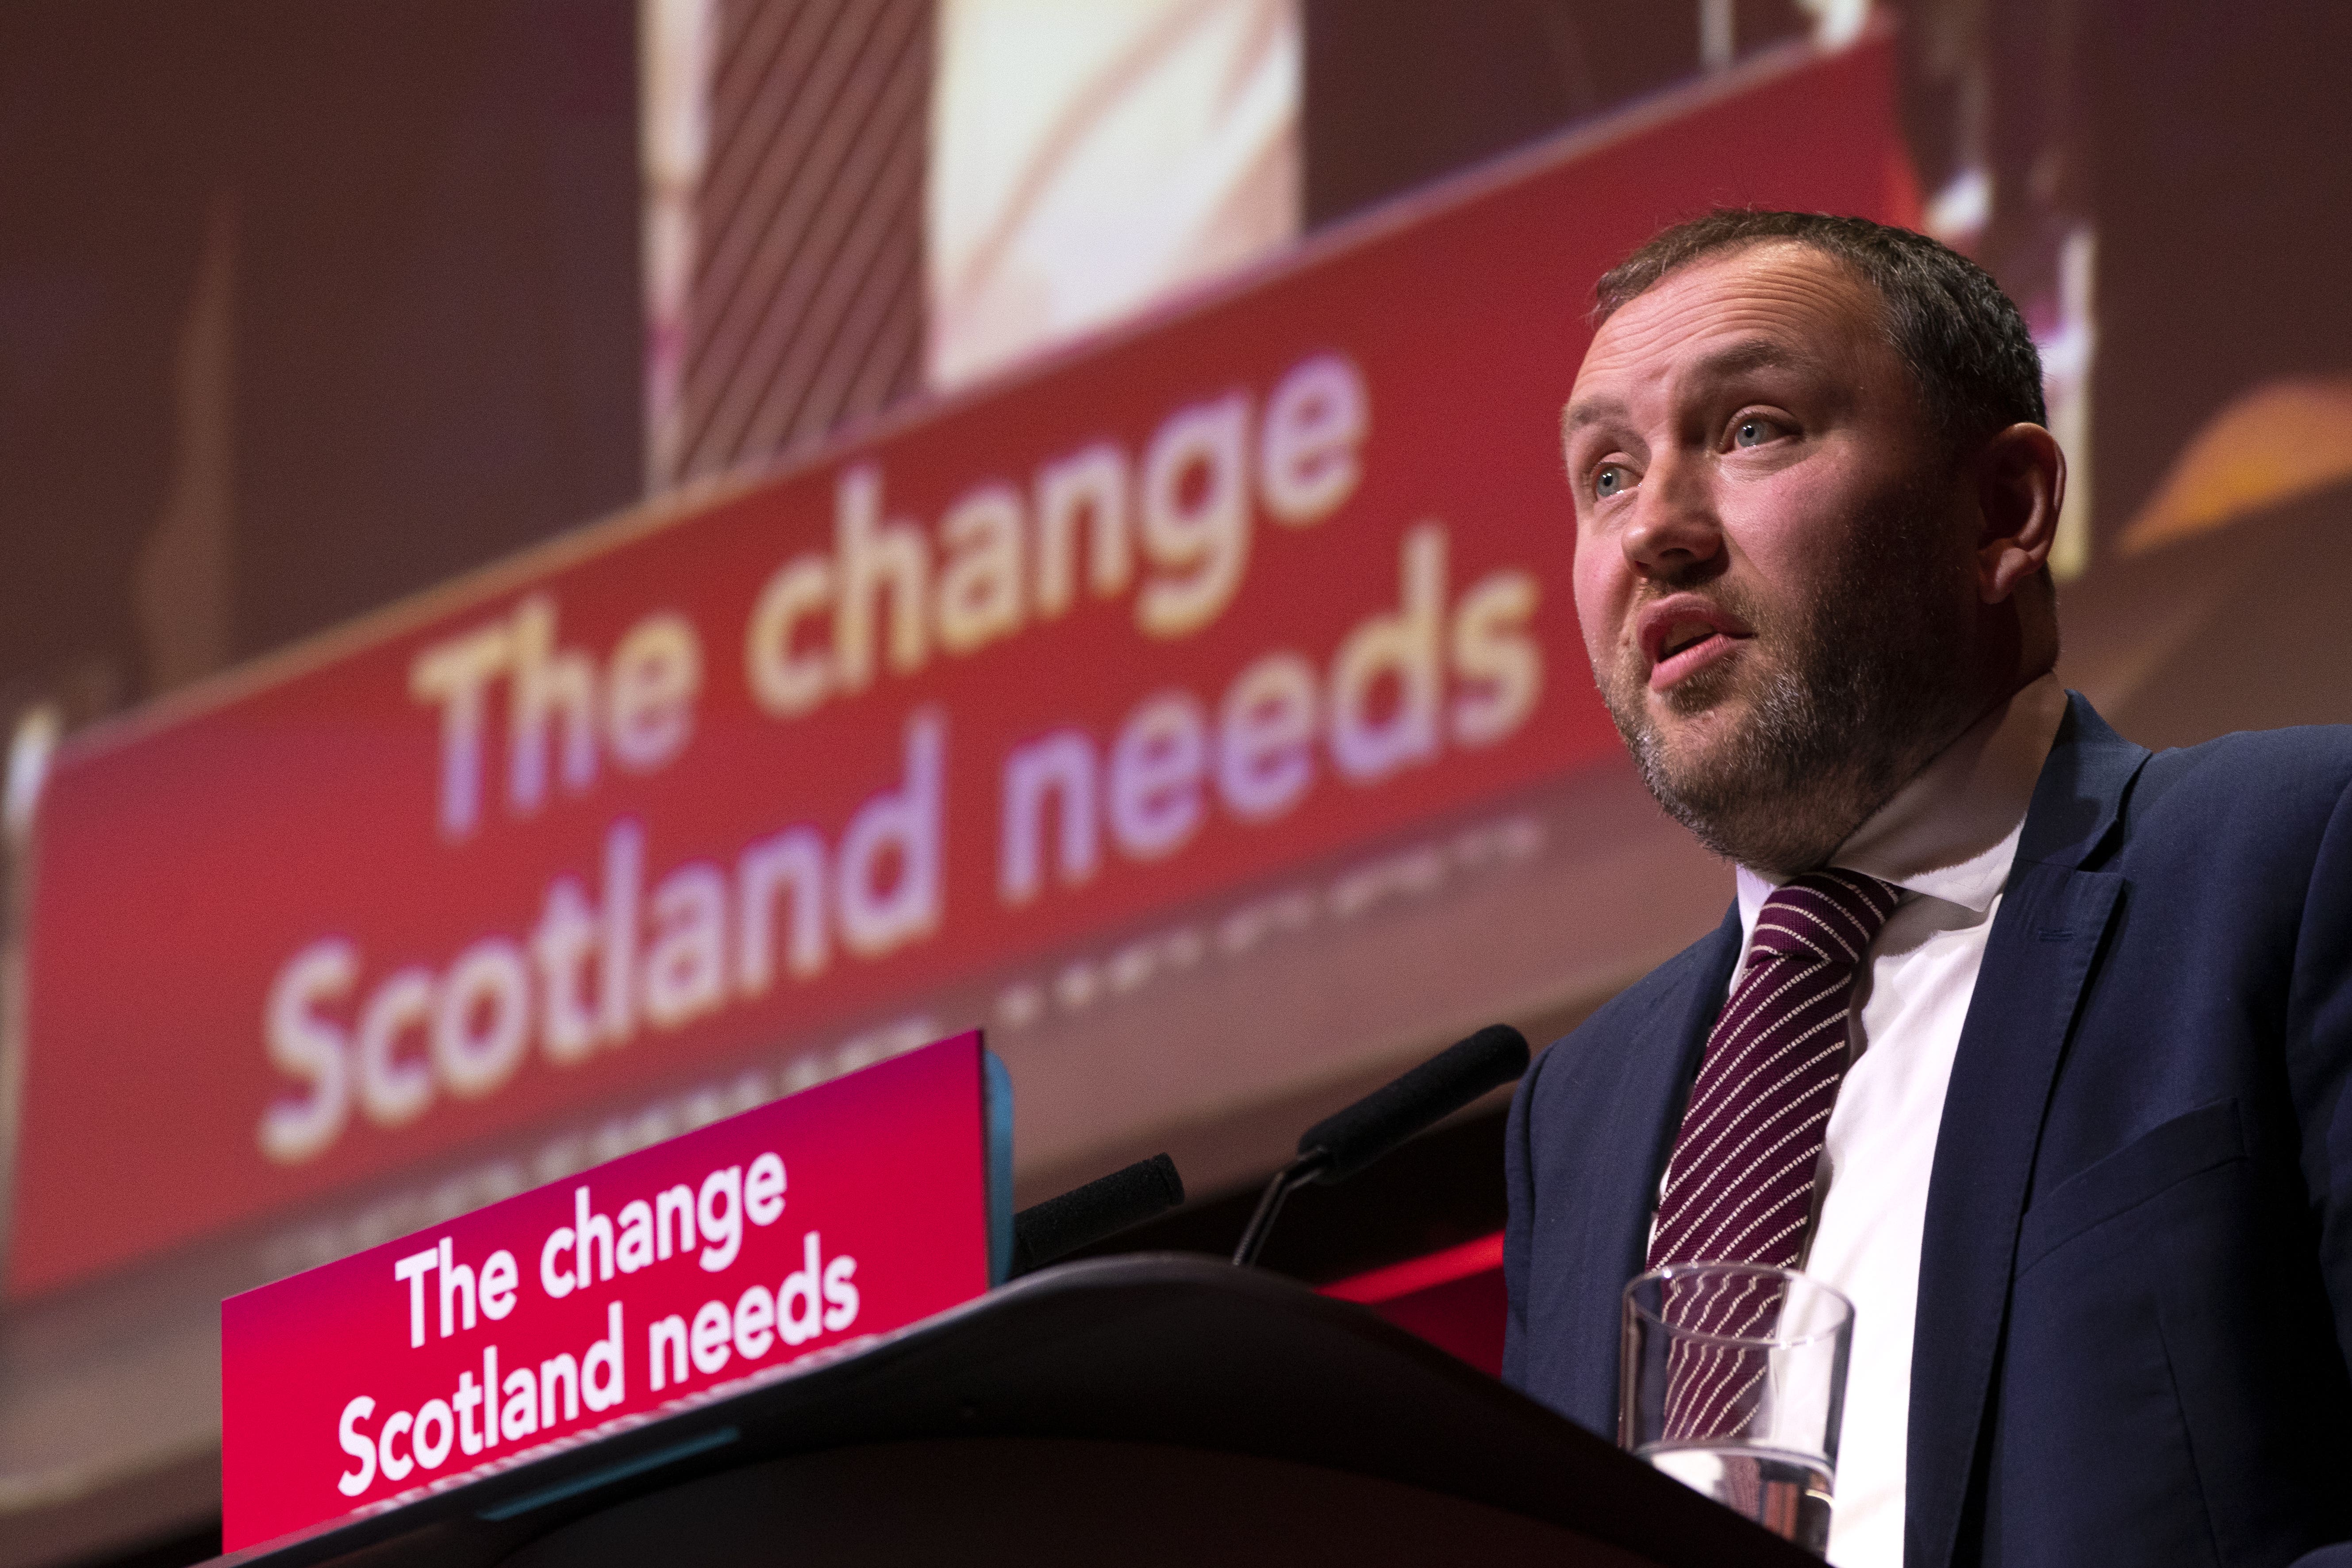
2069,1123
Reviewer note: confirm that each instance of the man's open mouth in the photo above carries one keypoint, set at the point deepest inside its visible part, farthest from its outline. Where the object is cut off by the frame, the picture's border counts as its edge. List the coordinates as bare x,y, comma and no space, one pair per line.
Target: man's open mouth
1685,637
1683,634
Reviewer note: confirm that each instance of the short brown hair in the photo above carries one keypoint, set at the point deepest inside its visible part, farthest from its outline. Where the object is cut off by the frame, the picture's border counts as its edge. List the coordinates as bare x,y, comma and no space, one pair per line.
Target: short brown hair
1966,343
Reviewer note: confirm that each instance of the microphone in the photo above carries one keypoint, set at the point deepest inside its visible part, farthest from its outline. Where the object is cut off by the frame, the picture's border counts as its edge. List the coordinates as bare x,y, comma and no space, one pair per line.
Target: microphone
1342,1144
1103,1207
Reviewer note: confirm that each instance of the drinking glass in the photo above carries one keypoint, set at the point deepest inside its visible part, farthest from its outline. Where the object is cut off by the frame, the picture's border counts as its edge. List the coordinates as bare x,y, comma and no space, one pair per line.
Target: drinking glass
1734,1383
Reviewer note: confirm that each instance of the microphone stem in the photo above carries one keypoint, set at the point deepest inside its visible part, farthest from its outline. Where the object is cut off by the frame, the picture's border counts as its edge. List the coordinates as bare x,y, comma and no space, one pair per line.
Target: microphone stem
1296,1174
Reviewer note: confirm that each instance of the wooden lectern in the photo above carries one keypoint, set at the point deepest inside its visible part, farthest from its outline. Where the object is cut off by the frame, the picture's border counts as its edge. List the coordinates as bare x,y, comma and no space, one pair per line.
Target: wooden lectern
1156,1409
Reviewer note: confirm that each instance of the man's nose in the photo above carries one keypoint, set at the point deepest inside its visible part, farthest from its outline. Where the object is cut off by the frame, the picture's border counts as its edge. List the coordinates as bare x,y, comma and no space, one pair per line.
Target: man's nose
1675,527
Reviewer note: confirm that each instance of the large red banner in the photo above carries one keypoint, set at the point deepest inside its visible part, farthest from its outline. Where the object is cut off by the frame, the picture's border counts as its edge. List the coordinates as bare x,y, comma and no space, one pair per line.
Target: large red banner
706,1263
1276,576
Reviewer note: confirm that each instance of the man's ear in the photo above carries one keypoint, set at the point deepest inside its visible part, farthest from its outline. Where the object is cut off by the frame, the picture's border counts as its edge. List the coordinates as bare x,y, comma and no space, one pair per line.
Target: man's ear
2020,484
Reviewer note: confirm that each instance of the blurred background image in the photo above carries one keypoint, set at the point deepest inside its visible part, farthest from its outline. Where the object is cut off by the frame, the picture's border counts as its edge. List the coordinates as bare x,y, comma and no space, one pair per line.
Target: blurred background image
1172,385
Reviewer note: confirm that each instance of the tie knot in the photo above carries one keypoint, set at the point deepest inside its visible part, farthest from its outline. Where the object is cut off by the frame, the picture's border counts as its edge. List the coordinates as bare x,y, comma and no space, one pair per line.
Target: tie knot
1829,916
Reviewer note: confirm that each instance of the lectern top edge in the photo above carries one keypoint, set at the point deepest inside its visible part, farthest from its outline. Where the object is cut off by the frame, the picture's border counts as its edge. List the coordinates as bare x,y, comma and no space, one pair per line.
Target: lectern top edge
1160,1349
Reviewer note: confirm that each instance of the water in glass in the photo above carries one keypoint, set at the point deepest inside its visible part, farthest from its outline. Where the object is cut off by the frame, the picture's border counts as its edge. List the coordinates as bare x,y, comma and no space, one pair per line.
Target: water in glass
1788,1494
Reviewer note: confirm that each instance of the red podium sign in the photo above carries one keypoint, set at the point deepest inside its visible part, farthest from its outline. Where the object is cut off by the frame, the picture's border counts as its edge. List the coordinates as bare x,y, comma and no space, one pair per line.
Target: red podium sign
802,1227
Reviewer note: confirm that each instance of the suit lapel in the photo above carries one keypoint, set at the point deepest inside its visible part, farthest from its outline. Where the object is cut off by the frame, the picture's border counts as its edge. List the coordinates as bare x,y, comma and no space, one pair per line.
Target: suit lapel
1634,1132
2038,956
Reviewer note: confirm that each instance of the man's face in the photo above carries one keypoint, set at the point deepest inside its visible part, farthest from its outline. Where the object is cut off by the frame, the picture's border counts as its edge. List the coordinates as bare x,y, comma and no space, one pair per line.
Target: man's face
1772,566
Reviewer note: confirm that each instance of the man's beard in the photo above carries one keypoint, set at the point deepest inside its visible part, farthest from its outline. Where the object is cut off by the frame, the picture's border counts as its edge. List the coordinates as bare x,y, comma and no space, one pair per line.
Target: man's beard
1864,691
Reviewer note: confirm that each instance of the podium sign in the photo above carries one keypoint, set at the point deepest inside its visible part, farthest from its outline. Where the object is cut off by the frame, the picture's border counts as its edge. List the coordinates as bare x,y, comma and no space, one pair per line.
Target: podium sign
566,1313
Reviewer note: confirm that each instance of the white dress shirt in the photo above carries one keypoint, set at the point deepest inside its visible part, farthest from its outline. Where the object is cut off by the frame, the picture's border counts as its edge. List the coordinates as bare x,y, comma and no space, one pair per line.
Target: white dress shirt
1947,839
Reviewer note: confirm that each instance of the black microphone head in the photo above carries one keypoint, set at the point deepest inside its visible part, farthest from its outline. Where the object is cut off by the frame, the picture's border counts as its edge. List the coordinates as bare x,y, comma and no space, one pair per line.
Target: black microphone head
1354,1138
1103,1207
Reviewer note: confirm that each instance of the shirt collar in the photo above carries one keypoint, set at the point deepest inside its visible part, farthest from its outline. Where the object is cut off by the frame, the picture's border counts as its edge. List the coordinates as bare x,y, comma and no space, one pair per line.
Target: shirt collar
1952,832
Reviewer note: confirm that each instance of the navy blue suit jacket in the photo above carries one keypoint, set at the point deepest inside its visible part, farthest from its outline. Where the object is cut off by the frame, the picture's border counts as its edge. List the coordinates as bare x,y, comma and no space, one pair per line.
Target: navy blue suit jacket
2135,1310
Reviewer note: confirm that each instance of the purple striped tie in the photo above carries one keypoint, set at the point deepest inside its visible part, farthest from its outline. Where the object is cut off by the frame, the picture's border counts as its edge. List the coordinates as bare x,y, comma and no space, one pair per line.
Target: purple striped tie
1739,1188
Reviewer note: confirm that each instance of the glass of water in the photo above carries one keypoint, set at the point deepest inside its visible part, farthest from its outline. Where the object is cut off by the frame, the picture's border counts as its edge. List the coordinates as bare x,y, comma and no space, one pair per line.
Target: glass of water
1734,1383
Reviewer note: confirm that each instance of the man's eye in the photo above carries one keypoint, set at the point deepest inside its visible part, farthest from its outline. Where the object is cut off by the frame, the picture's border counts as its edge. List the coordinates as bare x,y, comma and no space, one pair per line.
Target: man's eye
1608,481
1753,432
